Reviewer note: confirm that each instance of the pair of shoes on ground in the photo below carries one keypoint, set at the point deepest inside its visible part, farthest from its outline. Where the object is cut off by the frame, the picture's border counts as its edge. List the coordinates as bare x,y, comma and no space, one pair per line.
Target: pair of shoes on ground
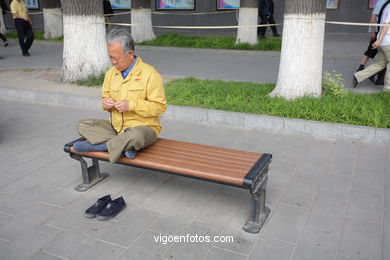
105,208
26,54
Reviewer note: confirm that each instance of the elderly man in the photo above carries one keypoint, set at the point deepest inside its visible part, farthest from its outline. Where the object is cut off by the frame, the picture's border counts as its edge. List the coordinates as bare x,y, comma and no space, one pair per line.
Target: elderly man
23,25
133,94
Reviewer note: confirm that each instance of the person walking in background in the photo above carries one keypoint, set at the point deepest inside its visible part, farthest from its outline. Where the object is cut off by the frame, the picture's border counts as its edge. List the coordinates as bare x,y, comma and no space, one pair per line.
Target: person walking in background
4,39
23,25
266,13
107,9
383,45
371,52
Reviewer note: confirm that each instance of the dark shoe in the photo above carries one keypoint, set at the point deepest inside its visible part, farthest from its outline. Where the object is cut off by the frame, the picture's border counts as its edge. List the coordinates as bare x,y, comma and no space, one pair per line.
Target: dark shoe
111,209
26,54
372,79
97,207
354,82
380,81
276,35
5,43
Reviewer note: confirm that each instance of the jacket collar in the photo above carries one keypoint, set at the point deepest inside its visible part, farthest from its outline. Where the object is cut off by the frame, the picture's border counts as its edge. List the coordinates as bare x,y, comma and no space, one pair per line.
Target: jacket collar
135,71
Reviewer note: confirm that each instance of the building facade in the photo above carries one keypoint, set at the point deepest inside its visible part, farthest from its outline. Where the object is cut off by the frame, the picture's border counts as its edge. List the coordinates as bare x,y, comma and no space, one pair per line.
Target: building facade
219,13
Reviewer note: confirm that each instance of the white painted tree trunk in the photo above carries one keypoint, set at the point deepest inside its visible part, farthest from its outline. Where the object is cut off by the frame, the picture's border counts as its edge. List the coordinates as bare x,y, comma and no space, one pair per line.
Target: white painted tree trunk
144,32
247,16
300,70
85,47
53,26
3,29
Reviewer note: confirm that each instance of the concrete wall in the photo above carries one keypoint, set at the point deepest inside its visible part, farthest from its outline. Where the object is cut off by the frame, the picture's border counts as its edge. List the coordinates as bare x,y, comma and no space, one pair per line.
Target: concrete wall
349,11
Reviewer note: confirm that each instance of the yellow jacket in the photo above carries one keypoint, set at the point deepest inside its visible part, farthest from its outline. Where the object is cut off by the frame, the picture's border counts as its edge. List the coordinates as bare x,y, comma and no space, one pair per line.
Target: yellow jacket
143,88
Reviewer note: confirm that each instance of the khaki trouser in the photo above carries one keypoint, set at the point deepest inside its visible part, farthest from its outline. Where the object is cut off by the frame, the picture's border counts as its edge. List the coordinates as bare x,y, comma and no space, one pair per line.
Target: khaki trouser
383,62
98,131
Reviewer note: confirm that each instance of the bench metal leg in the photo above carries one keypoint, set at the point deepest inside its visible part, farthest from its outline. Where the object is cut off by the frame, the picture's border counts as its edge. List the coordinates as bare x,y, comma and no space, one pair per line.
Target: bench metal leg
258,211
91,175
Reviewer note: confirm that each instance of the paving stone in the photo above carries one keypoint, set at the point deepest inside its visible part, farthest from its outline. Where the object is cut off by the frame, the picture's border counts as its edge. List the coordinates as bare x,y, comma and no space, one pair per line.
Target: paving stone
310,171
270,249
170,225
221,209
386,235
71,215
317,244
100,251
243,242
146,247
327,214
285,223
369,180
344,167
130,227
300,192
164,196
279,176
365,205
26,221
361,240
335,186
196,246
372,157
27,245
81,237
220,254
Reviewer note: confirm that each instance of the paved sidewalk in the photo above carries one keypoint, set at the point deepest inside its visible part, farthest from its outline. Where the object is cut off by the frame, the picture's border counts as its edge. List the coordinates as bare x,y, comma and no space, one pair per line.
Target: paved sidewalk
328,199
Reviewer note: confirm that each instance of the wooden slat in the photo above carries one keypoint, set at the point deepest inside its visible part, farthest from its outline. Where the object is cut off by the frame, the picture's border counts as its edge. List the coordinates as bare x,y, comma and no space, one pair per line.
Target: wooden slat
202,161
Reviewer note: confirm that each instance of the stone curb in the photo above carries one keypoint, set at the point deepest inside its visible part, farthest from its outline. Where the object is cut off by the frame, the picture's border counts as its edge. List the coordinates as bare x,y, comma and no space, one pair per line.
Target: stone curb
271,123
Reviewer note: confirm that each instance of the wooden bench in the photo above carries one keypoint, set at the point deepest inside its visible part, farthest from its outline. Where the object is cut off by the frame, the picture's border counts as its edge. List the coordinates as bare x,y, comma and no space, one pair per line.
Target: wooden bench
225,166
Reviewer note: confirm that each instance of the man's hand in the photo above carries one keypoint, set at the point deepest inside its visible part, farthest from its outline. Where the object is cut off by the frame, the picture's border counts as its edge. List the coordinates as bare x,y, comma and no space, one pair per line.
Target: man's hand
108,103
376,44
122,106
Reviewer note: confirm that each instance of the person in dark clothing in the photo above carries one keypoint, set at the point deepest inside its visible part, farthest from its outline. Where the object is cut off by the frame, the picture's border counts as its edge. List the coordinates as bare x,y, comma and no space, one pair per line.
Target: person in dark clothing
4,39
5,8
266,14
107,9
23,25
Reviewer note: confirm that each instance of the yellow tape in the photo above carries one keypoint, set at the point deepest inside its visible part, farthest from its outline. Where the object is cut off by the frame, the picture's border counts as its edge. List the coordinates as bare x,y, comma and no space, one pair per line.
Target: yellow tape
198,27
358,24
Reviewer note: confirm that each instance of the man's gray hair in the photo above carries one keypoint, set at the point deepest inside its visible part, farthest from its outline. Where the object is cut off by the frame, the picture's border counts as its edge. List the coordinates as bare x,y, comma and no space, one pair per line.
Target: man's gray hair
122,36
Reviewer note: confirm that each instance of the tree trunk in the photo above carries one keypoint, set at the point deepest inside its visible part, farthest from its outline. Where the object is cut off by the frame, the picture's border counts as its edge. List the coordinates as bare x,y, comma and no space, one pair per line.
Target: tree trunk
3,29
248,15
300,70
141,13
85,46
52,19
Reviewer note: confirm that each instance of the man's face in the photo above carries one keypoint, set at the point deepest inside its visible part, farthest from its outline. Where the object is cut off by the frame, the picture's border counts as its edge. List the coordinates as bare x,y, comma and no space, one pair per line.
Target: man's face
118,58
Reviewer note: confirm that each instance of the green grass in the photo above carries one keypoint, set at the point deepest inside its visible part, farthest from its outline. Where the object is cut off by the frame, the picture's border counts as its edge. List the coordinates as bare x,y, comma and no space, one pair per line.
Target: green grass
351,108
91,81
38,35
246,97
212,42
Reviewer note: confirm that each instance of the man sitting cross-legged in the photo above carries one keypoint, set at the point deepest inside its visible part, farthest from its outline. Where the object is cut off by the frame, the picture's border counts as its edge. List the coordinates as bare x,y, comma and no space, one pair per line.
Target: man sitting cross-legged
133,94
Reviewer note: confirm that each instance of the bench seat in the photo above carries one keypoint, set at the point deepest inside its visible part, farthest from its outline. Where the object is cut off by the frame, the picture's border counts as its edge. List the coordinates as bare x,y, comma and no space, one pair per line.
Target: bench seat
226,166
